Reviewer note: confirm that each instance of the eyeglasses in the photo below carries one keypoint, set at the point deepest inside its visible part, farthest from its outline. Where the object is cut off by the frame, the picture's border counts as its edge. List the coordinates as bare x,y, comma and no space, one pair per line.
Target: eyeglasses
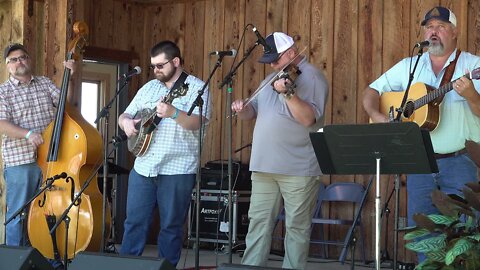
17,59
159,66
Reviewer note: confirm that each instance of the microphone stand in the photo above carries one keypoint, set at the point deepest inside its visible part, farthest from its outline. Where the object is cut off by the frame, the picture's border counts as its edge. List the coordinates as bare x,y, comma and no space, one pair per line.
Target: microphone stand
400,111
76,201
199,102
228,80
104,113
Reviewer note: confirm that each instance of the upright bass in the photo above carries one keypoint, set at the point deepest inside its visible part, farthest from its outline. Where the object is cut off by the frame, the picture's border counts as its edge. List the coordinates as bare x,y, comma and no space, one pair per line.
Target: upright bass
74,152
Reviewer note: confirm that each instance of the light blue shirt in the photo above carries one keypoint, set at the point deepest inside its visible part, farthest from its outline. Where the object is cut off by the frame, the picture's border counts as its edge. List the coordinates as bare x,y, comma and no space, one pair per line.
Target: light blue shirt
173,149
457,122
281,144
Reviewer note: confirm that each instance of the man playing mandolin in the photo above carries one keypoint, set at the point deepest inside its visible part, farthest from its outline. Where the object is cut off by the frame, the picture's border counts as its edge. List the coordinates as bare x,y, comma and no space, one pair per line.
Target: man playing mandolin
164,174
459,110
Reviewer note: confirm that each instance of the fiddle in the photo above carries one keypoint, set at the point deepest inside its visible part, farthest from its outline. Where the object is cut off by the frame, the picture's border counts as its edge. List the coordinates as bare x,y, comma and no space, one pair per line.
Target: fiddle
290,71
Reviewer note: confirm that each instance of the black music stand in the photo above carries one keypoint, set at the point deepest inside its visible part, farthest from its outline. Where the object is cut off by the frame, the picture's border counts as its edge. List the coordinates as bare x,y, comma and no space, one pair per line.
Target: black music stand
383,148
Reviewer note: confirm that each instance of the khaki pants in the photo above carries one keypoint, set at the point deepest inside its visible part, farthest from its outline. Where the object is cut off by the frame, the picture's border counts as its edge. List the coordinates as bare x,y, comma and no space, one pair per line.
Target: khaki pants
299,196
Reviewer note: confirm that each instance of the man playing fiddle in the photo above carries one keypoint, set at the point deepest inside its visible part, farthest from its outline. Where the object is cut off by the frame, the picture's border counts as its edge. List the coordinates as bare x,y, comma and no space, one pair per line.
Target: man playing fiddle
283,162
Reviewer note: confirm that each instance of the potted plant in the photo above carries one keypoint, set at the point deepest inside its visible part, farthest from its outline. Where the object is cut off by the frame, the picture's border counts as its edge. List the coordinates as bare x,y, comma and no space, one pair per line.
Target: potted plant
451,239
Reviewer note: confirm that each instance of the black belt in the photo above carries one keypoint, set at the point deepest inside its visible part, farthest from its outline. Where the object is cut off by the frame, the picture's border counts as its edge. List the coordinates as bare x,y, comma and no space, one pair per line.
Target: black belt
453,154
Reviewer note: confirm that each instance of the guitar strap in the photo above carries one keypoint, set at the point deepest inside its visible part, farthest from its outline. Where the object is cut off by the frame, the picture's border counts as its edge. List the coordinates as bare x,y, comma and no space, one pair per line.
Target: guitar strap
447,77
176,85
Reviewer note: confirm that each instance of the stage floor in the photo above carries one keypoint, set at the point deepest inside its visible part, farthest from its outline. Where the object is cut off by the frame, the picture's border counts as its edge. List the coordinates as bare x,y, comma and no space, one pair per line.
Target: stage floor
210,259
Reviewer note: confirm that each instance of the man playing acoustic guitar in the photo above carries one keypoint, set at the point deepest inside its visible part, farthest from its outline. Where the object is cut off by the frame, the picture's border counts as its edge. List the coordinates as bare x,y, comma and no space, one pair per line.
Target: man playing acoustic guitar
443,65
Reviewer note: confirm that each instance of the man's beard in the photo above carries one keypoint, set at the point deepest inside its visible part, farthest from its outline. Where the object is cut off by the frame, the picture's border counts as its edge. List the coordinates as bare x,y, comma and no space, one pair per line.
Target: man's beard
436,49
168,76
22,71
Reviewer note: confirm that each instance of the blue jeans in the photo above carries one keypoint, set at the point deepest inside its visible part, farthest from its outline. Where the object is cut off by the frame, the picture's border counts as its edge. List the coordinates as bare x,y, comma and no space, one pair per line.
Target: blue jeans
22,183
172,194
454,173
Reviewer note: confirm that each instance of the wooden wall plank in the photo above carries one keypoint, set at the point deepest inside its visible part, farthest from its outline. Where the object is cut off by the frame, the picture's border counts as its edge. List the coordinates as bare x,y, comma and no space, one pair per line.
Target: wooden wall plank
213,39
473,27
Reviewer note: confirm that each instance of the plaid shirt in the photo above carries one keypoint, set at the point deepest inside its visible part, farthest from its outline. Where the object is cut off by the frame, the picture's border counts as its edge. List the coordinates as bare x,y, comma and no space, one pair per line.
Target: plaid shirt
173,149
31,106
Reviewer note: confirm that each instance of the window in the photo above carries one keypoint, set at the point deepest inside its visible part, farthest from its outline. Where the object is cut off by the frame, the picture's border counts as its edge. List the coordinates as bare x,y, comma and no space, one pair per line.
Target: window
89,101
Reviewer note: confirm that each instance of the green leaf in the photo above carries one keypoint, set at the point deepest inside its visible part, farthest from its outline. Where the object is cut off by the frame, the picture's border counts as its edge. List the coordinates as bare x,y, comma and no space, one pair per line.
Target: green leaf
460,247
428,265
475,237
415,234
437,256
441,219
427,245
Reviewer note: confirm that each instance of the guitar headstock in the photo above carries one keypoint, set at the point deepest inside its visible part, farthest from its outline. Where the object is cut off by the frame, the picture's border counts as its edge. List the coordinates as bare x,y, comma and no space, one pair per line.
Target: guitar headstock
474,74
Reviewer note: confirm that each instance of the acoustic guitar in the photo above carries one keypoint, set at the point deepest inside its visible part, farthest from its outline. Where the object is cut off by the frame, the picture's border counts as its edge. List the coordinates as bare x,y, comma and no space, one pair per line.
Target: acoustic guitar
421,107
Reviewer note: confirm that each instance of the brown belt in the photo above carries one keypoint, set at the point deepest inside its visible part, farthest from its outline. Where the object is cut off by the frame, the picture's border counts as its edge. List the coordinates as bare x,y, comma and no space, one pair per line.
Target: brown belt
453,154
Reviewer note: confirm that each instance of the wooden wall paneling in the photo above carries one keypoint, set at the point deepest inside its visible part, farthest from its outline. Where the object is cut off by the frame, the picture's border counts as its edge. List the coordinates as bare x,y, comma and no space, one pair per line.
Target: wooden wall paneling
234,25
122,22
55,39
253,72
396,33
193,52
370,34
299,22
321,45
136,34
213,40
194,38
345,62
102,30
473,27
34,36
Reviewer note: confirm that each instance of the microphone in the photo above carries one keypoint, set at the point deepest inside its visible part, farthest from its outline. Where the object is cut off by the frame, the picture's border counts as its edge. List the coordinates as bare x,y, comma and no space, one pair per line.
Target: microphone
118,139
136,70
423,44
261,41
230,53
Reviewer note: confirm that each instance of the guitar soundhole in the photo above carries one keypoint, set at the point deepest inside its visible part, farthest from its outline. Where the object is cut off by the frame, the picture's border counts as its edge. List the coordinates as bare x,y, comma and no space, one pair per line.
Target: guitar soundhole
408,110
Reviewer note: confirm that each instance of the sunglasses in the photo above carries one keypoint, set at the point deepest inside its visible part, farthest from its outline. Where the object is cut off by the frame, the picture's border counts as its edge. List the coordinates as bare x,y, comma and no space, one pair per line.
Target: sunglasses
17,59
159,66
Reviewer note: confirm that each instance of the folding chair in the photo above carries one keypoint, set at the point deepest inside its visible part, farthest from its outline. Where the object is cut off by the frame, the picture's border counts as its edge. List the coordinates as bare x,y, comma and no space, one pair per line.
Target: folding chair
338,192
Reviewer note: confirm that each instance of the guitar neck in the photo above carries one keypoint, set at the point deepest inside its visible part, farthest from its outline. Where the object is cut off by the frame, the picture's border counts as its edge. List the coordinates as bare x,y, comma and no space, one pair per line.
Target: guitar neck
432,95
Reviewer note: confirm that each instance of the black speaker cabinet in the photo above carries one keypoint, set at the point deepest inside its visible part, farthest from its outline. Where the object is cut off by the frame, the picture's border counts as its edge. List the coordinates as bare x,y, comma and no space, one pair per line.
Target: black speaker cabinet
22,258
98,261
227,266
